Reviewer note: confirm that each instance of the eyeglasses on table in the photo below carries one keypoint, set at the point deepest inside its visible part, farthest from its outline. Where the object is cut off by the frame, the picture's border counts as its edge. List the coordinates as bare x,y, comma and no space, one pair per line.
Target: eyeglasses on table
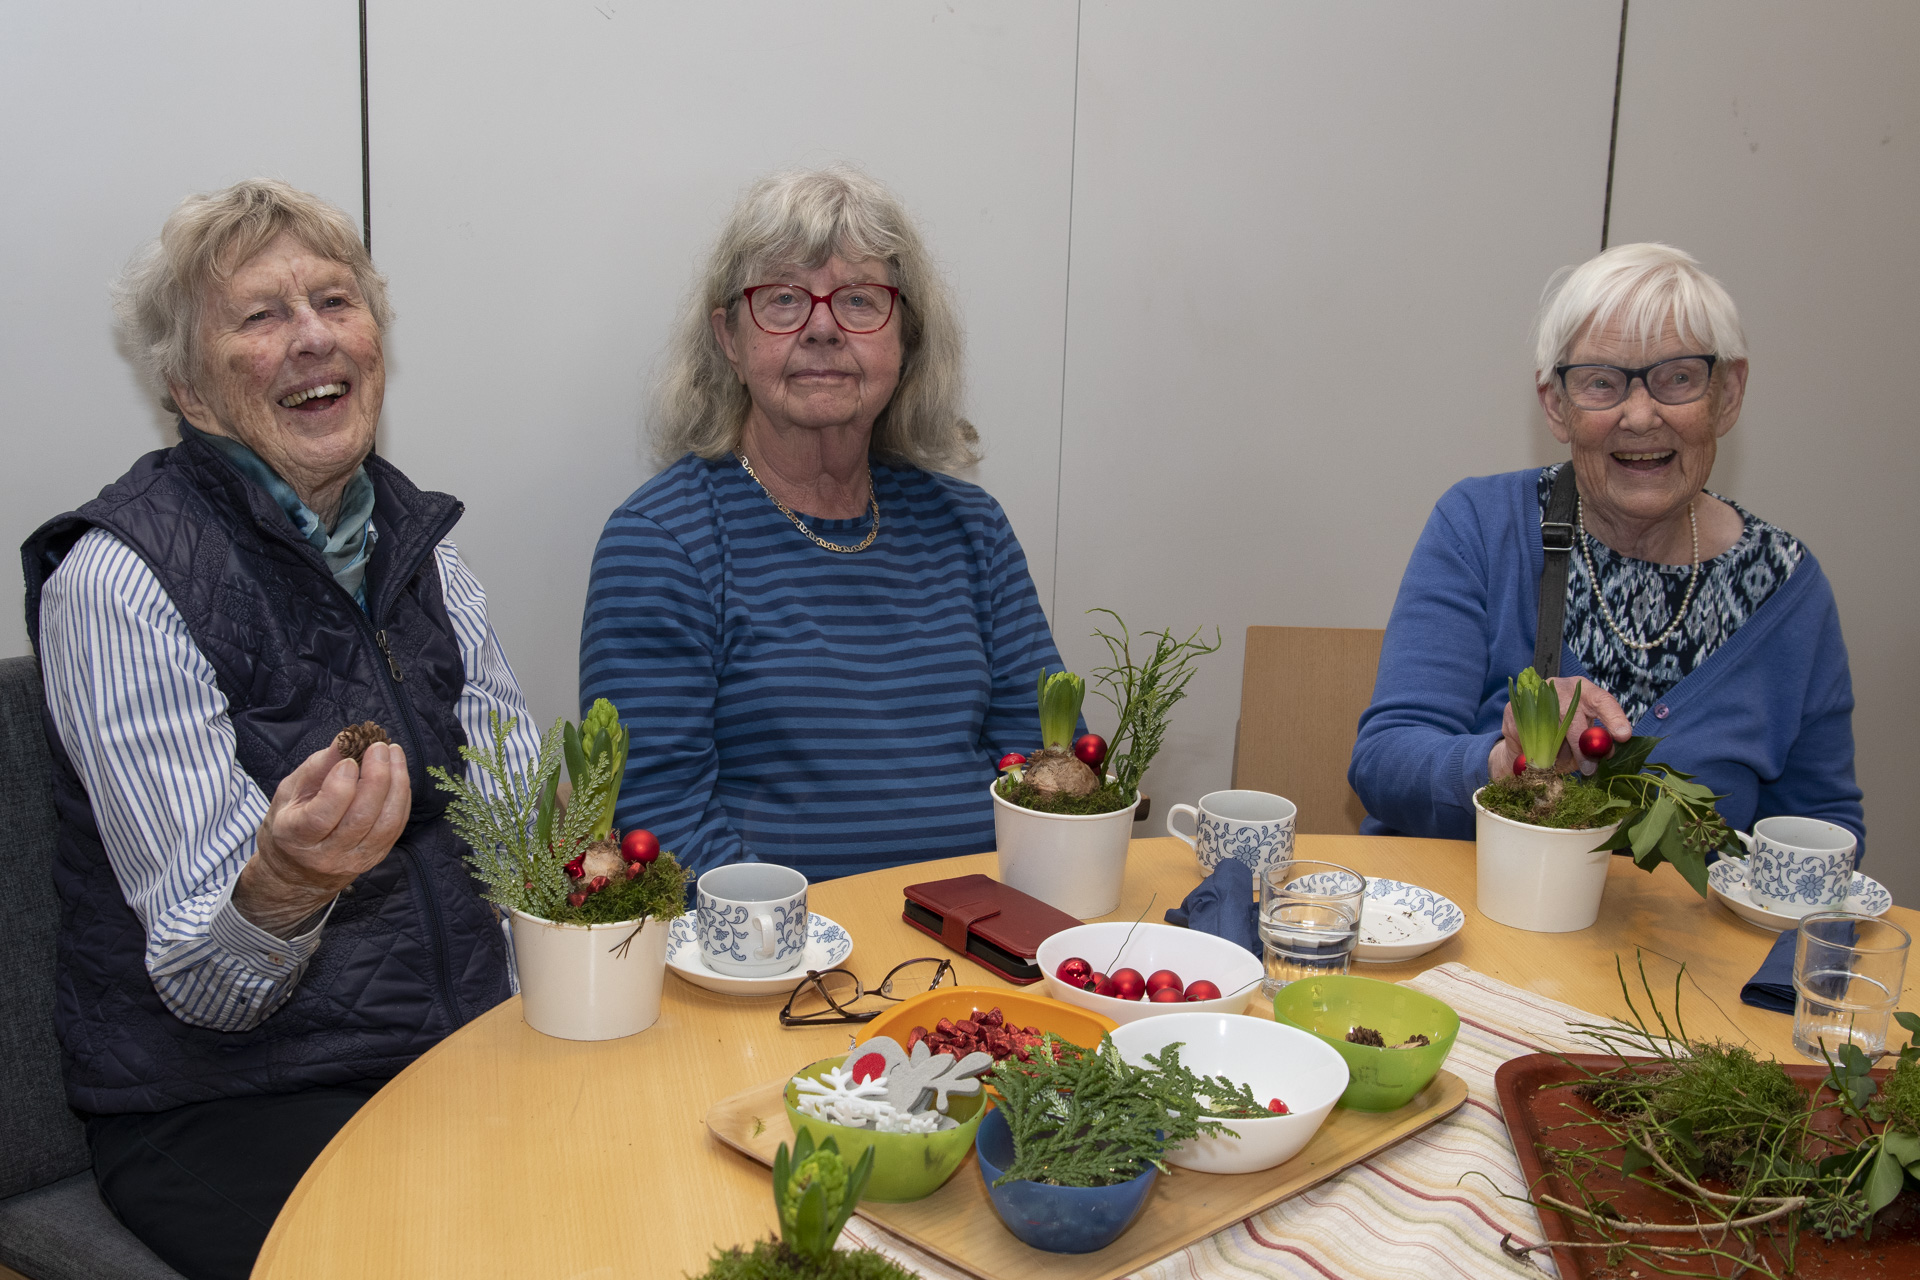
828,995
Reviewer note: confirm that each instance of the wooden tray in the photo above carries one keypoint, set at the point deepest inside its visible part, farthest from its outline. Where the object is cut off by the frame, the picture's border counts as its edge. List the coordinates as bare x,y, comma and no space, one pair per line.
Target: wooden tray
1540,1106
957,1223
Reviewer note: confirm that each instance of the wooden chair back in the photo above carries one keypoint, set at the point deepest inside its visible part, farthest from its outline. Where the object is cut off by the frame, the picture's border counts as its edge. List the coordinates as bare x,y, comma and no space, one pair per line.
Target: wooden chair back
1301,695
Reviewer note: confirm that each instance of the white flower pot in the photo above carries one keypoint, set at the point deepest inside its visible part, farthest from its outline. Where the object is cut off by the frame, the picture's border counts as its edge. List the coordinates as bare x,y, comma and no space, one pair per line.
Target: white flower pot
1538,878
1070,862
578,983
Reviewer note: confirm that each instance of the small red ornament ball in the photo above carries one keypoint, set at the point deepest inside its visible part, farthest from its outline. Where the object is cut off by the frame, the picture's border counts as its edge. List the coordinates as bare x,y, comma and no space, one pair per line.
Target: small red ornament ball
1519,765
635,870
1160,979
1279,1108
1128,984
1596,743
1166,995
1201,989
1091,748
1074,971
640,846
576,899
596,884
868,1067
1099,983
1011,760
578,867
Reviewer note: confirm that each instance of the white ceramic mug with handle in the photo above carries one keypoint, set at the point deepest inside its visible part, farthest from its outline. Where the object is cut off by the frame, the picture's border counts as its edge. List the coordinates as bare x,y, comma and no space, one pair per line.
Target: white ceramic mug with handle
1250,827
1797,866
751,919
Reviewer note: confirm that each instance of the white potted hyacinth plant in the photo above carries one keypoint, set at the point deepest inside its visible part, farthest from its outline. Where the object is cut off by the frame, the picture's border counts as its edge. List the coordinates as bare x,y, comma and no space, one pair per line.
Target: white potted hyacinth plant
589,911
1063,814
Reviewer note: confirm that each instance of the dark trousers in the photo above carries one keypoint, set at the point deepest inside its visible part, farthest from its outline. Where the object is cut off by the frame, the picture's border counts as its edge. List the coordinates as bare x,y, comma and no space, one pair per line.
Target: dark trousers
201,1184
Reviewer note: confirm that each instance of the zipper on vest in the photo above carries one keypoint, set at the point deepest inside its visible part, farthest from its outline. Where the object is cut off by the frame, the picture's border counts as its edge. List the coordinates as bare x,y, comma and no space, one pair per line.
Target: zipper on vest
380,638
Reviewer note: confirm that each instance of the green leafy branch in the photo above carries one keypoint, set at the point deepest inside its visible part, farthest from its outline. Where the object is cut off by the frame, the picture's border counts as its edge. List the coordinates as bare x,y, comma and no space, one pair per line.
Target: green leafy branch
1664,815
1143,693
516,866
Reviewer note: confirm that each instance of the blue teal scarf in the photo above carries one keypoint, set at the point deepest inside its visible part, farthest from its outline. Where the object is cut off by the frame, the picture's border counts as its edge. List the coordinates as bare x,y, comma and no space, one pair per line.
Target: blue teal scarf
347,546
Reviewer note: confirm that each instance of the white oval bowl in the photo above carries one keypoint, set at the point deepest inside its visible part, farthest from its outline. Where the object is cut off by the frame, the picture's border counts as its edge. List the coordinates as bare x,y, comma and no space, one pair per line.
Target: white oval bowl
1271,1058
1192,955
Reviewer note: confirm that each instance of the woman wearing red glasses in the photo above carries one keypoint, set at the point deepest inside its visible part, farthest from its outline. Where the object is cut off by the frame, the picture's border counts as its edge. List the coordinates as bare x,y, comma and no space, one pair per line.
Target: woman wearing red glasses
1681,614
818,639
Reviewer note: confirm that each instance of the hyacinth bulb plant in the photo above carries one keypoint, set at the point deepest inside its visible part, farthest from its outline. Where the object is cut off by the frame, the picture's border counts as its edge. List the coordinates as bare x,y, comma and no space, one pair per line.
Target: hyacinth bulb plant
1663,814
815,1191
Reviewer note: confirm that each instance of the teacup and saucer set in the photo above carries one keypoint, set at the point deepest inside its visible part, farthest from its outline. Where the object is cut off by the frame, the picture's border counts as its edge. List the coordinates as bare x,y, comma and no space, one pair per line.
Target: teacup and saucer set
1793,868
751,933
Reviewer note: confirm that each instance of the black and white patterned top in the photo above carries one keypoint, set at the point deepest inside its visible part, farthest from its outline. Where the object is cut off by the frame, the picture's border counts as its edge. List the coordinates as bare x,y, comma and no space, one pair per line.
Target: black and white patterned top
1643,598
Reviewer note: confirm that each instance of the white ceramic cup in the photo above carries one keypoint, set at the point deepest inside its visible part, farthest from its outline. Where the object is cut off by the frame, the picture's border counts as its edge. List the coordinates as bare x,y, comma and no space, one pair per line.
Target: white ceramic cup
751,919
1250,827
1797,866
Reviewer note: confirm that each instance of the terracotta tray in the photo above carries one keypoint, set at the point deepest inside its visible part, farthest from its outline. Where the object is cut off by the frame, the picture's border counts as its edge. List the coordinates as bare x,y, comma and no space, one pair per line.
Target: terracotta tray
1539,1103
957,1223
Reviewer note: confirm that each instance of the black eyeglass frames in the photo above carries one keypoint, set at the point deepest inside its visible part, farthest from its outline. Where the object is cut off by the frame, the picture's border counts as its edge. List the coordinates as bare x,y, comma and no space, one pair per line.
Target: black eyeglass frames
828,995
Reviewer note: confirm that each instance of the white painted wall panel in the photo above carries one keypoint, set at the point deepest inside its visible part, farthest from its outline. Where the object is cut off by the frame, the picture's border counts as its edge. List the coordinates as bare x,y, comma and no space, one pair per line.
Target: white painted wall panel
547,178
1780,144
1308,242
114,111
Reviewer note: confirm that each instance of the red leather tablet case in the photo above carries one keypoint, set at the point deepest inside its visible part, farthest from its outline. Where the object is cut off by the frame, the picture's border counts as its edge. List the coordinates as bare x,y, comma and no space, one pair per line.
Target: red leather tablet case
985,921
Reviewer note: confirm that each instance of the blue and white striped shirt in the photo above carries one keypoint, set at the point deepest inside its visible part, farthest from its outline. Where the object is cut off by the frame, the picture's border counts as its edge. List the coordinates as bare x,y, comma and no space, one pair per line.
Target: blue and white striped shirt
139,709
833,713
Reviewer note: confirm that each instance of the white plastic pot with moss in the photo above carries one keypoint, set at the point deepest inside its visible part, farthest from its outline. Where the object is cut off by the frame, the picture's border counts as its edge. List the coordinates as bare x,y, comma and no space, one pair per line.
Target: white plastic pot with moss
1538,878
589,981
1072,862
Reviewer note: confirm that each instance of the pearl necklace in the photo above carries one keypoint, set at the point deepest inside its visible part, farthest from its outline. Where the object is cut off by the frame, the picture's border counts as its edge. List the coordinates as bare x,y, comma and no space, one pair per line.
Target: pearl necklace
1593,580
786,511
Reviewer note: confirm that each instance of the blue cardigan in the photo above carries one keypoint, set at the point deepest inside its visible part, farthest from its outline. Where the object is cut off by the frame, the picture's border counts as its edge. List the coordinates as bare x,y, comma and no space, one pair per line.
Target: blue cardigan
1766,720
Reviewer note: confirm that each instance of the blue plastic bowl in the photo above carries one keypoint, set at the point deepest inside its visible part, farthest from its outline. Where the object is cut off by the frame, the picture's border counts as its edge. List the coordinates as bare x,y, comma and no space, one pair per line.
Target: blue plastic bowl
1057,1219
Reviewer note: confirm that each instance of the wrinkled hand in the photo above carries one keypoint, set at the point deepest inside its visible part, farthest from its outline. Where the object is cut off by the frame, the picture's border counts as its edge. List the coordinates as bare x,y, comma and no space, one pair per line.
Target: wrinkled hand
1595,704
330,820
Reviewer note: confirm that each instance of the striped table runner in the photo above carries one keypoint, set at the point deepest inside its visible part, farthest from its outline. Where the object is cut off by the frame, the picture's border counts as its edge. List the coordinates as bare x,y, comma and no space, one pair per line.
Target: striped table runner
1411,1212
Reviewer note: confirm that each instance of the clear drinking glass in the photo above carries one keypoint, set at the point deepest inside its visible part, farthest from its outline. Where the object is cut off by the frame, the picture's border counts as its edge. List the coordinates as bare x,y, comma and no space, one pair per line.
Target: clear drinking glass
1309,919
1848,971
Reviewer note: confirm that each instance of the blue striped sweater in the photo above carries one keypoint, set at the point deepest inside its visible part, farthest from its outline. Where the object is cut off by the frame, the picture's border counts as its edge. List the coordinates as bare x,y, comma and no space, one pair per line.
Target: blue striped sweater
833,713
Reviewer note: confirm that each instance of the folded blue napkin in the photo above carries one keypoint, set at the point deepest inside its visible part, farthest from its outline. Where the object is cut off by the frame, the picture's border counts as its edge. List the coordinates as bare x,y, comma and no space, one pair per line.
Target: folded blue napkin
1223,905
1771,986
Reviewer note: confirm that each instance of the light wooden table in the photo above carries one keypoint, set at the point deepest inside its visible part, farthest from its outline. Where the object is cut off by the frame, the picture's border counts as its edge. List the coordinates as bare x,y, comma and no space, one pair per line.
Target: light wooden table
506,1153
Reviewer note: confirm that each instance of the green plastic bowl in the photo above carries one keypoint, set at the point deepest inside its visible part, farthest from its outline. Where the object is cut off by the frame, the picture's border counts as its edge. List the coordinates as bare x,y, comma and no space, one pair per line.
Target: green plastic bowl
1382,1079
906,1166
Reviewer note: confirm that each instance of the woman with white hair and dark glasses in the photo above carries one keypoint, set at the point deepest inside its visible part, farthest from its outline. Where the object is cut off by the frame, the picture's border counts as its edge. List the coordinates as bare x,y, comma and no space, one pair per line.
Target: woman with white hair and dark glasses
821,641
1682,615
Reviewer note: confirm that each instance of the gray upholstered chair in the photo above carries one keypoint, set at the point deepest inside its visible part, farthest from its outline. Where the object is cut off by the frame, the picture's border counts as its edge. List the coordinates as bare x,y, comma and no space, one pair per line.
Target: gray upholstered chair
53,1225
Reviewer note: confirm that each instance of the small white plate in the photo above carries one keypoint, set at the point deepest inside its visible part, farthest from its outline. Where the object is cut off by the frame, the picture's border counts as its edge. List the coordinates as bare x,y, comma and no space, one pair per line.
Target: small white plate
1728,880
1399,921
828,945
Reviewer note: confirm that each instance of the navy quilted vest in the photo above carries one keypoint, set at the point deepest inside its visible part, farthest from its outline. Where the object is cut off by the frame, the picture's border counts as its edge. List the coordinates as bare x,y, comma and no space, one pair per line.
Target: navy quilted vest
411,952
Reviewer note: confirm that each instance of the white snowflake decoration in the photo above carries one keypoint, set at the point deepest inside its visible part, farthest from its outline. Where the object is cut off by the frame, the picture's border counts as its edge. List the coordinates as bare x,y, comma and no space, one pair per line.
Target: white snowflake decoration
837,1098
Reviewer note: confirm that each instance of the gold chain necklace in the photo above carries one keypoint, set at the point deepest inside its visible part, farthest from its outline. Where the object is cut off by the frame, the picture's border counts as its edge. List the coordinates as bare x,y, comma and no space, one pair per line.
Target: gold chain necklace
872,496
1593,580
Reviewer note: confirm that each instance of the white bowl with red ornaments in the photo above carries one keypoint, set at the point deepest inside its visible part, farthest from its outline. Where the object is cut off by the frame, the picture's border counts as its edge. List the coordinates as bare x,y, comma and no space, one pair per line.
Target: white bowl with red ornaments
1294,1073
1230,973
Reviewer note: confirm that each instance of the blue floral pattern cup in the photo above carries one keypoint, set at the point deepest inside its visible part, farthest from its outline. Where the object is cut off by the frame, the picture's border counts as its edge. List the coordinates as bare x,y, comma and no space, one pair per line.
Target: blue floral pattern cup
1250,827
1797,866
751,919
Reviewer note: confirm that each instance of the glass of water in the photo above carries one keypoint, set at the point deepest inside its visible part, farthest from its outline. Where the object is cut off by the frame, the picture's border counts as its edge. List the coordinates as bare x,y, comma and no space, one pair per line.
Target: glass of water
1848,971
1309,919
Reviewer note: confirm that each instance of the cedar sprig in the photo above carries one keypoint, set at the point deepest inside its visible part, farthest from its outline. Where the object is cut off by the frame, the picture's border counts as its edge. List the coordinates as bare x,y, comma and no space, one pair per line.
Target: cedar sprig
497,822
1143,693
1088,1118
1217,1095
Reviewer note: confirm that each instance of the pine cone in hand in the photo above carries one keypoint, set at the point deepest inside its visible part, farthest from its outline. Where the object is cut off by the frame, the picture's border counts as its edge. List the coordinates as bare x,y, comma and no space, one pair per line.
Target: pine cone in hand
353,741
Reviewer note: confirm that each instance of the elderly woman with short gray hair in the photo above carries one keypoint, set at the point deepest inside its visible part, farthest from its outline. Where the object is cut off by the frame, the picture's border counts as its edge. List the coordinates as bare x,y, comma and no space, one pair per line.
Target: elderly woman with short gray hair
260,924
820,640
1680,614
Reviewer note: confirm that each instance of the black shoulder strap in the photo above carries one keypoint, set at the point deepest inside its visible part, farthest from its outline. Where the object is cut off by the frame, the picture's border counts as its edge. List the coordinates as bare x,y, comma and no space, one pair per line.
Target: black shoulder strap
1556,539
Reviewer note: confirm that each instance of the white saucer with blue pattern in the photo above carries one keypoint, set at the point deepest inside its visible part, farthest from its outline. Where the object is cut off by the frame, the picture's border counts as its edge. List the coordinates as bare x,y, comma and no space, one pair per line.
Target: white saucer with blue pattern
1727,879
1399,921
828,946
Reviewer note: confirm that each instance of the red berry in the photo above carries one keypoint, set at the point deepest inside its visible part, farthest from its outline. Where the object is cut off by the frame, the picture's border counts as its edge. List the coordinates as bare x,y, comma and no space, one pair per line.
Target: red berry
640,846
1166,995
1596,743
596,884
1091,748
1074,971
1519,765
576,899
1128,984
1279,1108
869,1066
578,867
1163,978
1201,989
1011,760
